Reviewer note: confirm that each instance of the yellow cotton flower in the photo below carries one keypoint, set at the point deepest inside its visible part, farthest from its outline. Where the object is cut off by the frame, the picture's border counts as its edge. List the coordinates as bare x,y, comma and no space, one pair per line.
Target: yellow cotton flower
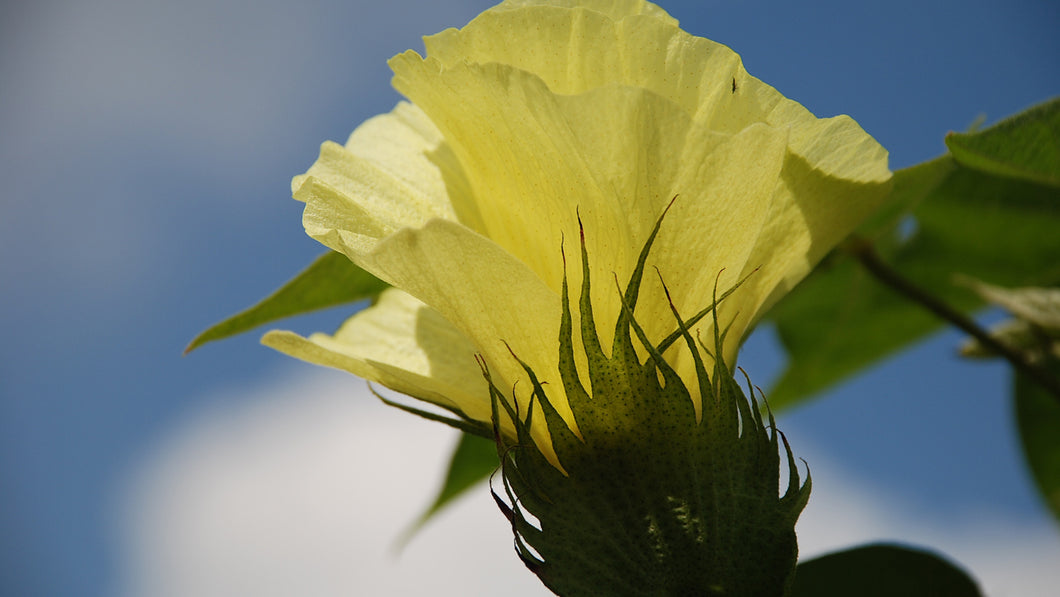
538,111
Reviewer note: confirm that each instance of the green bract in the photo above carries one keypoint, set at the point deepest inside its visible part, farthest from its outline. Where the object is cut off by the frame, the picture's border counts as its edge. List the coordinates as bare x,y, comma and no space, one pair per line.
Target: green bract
653,499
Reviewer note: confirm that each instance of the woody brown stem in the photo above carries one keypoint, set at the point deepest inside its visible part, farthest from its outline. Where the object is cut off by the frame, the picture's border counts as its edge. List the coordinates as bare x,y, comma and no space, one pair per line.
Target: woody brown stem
865,253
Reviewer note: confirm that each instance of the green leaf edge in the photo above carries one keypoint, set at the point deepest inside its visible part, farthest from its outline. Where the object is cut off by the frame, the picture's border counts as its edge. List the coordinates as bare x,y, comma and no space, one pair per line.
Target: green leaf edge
880,569
1037,414
330,280
473,460
963,147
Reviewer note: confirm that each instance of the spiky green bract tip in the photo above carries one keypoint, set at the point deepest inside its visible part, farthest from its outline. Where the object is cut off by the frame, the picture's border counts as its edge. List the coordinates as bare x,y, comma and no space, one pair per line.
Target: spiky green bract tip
651,500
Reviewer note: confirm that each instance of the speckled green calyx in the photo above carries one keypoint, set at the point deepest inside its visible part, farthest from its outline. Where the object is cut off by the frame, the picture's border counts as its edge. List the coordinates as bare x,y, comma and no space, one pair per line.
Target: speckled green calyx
654,501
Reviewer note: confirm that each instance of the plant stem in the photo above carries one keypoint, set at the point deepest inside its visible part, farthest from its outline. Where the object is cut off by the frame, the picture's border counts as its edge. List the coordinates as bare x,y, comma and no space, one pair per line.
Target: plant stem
863,250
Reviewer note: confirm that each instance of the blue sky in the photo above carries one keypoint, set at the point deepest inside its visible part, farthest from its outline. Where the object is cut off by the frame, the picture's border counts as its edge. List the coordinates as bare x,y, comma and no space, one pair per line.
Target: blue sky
146,154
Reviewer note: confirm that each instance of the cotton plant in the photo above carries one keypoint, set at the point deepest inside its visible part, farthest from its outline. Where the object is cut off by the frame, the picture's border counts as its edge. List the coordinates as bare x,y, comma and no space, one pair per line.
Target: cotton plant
567,232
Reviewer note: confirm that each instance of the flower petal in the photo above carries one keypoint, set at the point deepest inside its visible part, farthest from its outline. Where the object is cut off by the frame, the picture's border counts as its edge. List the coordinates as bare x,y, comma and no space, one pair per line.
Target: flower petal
404,345
409,347
390,223
576,49
491,297
464,199
394,171
615,9
523,164
812,212
616,153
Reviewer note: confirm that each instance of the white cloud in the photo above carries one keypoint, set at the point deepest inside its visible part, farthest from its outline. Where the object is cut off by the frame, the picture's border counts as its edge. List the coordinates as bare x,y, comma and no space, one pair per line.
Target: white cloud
303,488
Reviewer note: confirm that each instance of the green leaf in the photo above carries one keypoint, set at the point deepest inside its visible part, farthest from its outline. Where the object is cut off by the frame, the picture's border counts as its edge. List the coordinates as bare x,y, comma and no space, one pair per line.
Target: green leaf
332,279
841,320
882,571
474,459
911,186
1038,418
1025,146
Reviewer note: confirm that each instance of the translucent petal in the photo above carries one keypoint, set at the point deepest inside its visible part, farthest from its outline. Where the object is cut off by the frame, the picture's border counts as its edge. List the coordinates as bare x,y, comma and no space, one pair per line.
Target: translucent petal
541,111
523,162
615,9
409,347
484,292
395,171
380,215
576,49
404,345
617,155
